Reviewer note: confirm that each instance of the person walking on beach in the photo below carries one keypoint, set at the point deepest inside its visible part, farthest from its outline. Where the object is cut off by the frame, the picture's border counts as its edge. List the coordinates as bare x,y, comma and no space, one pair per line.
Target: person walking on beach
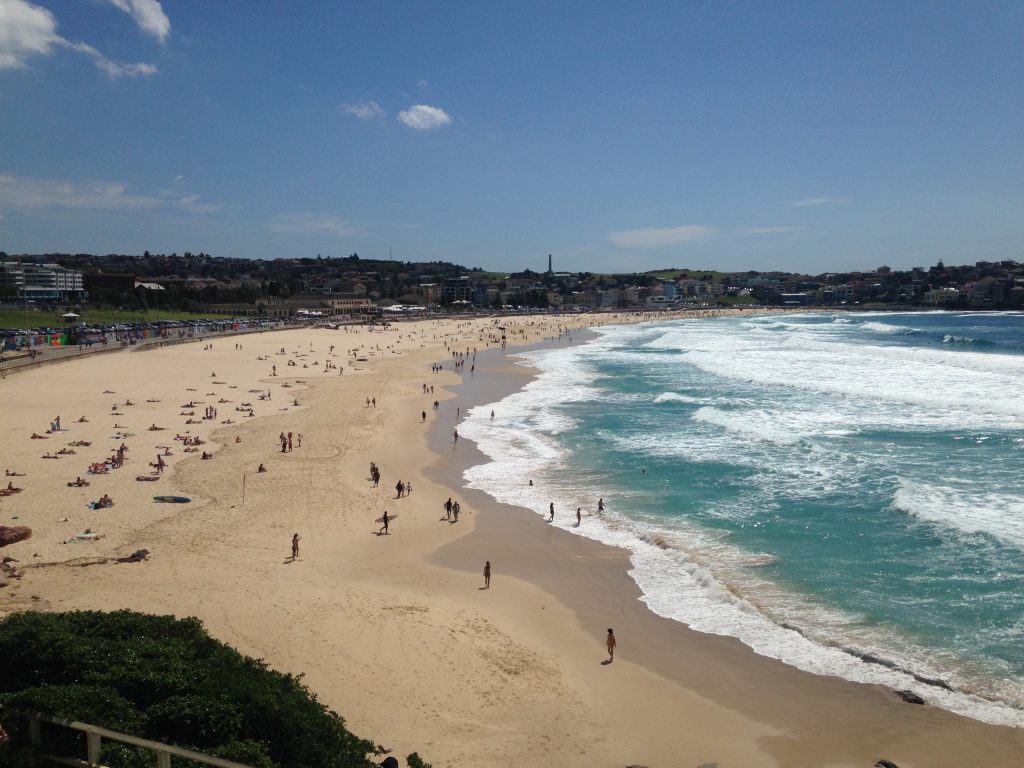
448,509
384,528
551,513
456,435
578,517
610,642
456,508
487,574
295,547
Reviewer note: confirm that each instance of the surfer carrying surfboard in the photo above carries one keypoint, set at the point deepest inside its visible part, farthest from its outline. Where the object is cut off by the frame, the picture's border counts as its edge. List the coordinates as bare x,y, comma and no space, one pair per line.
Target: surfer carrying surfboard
384,528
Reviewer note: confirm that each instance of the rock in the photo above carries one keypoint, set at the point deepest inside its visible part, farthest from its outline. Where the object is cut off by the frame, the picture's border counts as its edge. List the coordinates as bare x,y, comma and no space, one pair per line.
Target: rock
910,697
13,535
135,557
886,764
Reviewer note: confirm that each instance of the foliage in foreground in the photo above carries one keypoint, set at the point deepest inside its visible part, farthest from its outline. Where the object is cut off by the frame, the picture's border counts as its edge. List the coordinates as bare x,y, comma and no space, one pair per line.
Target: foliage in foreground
164,679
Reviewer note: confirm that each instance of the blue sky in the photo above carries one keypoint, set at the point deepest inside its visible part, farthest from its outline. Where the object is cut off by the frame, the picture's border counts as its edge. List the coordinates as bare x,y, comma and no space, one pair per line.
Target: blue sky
804,136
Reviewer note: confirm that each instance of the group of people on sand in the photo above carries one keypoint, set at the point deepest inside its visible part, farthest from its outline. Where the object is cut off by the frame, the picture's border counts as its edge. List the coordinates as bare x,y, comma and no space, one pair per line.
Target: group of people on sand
286,441
452,510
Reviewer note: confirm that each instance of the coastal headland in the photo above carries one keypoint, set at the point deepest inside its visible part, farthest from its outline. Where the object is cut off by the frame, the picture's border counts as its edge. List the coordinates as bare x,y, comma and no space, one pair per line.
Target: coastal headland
396,632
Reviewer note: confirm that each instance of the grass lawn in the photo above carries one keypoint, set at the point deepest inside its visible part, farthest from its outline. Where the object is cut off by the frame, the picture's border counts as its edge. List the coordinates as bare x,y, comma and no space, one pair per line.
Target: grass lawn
687,274
734,301
37,318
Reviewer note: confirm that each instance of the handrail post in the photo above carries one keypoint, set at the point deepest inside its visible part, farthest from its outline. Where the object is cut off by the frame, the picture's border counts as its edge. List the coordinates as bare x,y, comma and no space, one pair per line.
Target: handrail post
163,759
34,735
92,742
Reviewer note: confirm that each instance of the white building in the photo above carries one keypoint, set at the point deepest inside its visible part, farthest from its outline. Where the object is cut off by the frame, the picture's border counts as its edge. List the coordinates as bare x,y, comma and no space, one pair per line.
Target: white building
40,282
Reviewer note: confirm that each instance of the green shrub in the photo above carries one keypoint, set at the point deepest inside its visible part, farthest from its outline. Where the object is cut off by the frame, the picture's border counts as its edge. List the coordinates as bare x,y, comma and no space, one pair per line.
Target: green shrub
166,679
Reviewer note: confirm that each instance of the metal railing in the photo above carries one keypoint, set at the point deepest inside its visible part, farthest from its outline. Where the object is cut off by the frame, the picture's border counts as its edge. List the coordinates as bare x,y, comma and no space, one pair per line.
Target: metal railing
94,736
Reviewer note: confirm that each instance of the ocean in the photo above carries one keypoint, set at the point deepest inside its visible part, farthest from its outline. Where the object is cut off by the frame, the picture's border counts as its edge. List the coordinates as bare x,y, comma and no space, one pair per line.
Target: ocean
840,491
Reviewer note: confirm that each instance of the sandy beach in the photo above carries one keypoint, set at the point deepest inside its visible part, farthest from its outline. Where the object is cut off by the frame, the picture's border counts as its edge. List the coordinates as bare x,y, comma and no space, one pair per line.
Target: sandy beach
396,632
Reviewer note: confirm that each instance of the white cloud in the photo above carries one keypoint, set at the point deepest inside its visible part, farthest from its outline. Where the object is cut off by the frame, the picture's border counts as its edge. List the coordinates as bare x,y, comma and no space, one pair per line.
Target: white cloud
764,231
809,202
25,30
148,15
27,194
309,223
424,118
191,204
657,237
28,30
365,111
21,192
113,68
423,85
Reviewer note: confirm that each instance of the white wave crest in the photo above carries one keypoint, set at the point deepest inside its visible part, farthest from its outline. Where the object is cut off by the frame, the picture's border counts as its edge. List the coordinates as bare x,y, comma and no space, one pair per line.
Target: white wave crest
964,509
675,397
757,426
886,328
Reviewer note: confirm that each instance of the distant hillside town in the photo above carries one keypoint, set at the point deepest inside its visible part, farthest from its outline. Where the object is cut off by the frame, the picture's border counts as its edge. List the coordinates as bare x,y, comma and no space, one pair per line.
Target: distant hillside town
352,285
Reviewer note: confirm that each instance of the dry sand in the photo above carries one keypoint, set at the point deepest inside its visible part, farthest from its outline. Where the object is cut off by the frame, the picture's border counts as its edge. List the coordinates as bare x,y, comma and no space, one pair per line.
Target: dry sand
394,632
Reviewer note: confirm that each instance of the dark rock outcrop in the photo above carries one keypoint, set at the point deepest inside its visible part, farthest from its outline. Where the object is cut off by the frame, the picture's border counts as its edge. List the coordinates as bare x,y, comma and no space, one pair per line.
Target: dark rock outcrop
910,697
14,535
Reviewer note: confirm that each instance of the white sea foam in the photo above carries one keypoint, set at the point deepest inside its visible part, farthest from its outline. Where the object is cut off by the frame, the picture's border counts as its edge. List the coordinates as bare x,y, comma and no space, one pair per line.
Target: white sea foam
966,509
886,328
675,397
757,426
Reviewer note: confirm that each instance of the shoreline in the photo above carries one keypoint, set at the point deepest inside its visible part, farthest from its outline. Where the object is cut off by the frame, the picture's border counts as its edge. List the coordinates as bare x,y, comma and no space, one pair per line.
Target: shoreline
564,565
412,652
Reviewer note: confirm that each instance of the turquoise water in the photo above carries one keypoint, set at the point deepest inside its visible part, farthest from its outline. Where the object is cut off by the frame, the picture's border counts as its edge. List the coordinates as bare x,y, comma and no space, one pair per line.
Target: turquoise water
828,488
